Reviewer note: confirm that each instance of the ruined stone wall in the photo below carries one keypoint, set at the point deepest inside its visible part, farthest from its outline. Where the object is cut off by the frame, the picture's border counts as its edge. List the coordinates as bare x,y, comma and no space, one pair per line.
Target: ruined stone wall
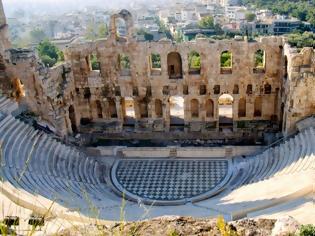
146,85
72,97
47,91
299,95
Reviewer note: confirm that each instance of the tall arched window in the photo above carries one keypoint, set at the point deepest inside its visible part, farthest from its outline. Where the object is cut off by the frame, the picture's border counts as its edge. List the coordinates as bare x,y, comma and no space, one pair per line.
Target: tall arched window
194,107
158,108
155,62
143,106
242,107
124,64
112,108
99,109
72,119
258,107
267,88
174,65
209,108
259,61
194,63
226,62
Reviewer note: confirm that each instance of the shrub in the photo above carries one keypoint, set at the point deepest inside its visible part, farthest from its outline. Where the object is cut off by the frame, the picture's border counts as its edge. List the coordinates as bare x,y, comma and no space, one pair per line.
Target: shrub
48,61
307,230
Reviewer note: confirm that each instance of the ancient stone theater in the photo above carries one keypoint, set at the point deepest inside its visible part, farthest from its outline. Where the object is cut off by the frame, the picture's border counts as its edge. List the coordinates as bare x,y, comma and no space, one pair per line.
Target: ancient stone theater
141,133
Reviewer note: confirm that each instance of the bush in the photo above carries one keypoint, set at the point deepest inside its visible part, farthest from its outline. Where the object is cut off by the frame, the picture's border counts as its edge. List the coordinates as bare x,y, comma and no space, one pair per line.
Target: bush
48,61
49,53
307,230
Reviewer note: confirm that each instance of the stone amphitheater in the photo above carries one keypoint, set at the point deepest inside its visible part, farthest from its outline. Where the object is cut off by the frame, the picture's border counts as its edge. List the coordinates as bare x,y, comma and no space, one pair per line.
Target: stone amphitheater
49,118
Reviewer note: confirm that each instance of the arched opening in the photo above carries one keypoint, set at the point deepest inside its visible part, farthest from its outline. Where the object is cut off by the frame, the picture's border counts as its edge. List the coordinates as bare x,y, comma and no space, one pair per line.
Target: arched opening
242,108
216,89
194,63
124,65
112,108
258,107
226,110
143,107
87,93
128,108
203,89
194,108
99,109
95,64
174,65
282,118
259,61
72,119
249,89
236,89
226,62
209,108
267,88
158,108
155,62
285,73
121,27
176,110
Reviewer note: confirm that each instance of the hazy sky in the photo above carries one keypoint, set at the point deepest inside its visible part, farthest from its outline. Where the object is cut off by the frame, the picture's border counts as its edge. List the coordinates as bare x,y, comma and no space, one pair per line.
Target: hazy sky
60,5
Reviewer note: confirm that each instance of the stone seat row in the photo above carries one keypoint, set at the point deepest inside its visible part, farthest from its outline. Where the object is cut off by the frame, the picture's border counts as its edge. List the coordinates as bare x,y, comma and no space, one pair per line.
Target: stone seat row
7,106
294,155
33,161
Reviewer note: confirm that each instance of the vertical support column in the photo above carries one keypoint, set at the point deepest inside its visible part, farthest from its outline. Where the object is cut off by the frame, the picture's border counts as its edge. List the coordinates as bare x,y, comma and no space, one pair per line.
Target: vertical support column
137,109
216,111
187,113
166,113
235,113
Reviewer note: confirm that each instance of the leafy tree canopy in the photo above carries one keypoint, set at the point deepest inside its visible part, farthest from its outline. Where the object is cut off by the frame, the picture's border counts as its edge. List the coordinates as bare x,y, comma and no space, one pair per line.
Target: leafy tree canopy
206,22
49,53
306,39
301,9
249,16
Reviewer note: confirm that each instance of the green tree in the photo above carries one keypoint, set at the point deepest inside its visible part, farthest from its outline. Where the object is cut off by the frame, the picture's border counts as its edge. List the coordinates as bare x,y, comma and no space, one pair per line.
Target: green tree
95,63
226,60
48,61
259,58
307,230
206,22
124,61
102,31
156,61
194,60
37,35
49,53
306,39
250,17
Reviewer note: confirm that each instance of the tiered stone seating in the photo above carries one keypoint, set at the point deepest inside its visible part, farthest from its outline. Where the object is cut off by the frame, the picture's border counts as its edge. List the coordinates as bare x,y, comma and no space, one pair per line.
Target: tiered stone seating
38,166
33,161
294,155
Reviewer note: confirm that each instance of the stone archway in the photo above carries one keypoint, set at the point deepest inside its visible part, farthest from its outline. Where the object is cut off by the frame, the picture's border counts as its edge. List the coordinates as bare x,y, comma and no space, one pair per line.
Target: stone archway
176,110
72,119
225,106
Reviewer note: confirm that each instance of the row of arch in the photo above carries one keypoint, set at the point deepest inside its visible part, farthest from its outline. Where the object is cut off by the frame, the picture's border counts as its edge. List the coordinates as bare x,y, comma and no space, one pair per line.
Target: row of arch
132,112
174,63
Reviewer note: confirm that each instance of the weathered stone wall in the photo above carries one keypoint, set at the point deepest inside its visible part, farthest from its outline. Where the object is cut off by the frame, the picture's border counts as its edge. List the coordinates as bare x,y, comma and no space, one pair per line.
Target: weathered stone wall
72,97
146,85
299,95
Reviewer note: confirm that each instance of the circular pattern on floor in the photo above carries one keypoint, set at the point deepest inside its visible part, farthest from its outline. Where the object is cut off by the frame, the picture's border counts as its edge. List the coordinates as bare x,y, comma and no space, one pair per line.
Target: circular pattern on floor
169,180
